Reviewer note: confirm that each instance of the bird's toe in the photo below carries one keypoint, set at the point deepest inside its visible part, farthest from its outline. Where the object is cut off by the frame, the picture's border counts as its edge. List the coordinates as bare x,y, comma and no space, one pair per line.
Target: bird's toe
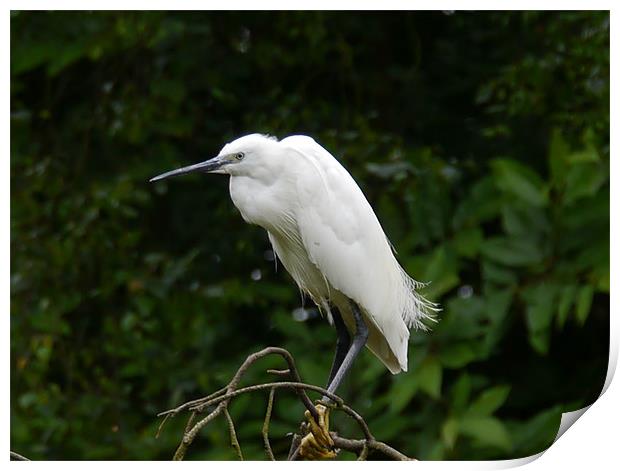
318,443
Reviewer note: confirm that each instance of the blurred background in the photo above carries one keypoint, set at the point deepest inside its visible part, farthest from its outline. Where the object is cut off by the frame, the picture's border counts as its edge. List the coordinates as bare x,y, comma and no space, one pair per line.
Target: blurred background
481,140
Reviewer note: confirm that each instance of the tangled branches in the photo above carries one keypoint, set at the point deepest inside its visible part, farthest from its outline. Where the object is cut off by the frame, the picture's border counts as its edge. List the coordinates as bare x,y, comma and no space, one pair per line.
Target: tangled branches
220,400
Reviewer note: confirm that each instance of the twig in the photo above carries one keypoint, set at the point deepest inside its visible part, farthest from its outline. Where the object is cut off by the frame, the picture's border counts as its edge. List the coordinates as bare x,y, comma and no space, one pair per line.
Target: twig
294,449
189,436
364,453
280,384
190,422
359,419
265,429
357,446
279,372
161,425
291,366
233,434
234,382
221,399
297,447
182,407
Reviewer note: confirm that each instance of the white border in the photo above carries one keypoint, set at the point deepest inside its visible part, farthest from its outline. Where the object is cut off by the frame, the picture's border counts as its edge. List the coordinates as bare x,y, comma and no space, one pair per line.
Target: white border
307,5
592,442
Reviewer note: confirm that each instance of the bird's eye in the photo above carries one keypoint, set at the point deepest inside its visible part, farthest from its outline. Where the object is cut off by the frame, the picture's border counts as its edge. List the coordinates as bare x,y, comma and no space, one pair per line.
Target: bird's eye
239,155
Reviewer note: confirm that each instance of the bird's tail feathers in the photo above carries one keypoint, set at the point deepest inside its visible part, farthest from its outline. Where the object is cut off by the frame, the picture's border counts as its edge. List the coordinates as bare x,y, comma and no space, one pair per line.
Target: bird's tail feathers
416,309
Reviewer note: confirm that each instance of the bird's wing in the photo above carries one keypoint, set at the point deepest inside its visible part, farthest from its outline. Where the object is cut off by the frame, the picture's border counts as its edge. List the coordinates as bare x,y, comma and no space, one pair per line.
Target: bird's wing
337,224
345,240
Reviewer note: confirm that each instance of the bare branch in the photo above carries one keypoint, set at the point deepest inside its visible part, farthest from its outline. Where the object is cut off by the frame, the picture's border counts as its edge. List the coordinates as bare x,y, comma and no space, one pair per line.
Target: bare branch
190,422
187,405
280,384
294,449
221,399
364,453
161,425
291,366
189,436
279,372
358,418
234,382
357,446
265,430
233,434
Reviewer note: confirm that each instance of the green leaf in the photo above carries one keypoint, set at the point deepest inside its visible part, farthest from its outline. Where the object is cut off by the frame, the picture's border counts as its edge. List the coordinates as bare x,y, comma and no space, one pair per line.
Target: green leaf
402,391
540,341
388,426
512,252
68,54
600,277
513,222
584,179
442,270
519,181
584,303
467,242
593,211
497,305
27,56
539,313
449,432
480,204
436,453
457,355
589,154
460,393
536,434
566,299
494,273
488,431
429,377
539,310
489,401
525,221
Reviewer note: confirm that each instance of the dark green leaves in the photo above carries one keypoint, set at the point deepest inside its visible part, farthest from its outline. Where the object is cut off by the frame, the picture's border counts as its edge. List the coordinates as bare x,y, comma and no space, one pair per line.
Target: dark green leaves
488,401
486,431
539,311
512,252
518,181
486,160
429,377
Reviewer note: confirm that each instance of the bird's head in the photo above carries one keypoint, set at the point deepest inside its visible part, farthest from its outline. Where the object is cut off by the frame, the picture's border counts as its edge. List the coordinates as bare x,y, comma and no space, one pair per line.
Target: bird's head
243,156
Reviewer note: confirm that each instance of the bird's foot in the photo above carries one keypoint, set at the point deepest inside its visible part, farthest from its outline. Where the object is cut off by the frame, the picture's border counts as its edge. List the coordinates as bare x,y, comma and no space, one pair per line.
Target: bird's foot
318,443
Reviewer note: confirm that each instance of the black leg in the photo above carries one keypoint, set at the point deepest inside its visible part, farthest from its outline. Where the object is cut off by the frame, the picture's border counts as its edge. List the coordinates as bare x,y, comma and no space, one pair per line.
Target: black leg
342,343
359,340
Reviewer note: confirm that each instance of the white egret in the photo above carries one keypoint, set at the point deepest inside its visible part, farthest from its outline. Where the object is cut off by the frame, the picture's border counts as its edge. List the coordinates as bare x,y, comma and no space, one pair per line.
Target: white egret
329,239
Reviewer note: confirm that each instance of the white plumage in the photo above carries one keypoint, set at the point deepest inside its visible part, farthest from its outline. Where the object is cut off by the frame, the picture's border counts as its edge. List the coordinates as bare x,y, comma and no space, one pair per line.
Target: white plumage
327,236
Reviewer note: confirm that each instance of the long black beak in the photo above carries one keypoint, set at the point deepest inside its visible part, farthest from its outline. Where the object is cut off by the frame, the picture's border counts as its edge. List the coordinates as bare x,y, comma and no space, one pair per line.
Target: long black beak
203,167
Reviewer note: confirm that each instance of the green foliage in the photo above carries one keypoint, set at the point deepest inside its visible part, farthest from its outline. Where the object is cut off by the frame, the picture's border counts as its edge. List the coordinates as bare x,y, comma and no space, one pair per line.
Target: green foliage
481,139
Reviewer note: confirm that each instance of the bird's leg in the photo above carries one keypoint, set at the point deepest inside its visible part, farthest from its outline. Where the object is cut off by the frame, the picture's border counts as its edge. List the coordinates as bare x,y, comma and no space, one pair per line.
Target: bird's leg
318,443
359,340
342,343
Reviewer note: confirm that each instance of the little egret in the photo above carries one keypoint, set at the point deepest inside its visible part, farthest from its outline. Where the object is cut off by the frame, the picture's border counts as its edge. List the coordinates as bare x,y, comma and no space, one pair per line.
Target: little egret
329,239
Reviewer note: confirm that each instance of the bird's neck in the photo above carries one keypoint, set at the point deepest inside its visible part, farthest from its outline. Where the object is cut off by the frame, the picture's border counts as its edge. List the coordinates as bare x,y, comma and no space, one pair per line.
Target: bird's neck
264,203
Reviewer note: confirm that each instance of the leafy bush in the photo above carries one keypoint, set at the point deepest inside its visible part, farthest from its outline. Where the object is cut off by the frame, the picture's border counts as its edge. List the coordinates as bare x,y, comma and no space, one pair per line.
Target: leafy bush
481,139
